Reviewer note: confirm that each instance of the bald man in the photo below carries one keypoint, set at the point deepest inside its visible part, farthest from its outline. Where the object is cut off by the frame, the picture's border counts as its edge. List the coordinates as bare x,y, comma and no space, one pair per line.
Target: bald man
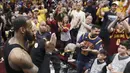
43,31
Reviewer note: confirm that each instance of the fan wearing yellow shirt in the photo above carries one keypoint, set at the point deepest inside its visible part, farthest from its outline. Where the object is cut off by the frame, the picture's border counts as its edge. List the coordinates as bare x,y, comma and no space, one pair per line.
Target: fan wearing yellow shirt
42,13
103,7
119,4
122,6
35,17
1,7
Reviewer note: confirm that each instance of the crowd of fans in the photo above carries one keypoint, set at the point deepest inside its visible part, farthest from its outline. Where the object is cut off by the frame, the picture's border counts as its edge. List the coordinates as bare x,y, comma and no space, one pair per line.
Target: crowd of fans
91,34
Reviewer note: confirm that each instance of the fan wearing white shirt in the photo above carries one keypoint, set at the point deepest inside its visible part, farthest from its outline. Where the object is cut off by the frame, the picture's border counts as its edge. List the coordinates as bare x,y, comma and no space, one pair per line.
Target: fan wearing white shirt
99,62
78,16
121,59
85,26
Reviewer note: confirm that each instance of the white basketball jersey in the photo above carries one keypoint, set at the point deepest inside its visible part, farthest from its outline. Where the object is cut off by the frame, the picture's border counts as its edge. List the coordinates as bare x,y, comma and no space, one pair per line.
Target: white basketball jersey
97,68
119,65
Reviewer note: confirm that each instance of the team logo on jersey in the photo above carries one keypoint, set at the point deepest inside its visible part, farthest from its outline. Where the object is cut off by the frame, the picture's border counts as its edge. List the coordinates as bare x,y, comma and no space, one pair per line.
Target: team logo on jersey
87,45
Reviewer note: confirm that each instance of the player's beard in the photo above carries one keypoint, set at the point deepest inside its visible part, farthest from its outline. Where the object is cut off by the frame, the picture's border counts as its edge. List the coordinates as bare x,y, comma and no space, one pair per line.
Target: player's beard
28,36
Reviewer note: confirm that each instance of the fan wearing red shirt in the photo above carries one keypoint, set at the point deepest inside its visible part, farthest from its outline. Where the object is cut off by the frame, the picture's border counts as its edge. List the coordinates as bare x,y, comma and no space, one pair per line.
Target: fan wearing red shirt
118,34
64,28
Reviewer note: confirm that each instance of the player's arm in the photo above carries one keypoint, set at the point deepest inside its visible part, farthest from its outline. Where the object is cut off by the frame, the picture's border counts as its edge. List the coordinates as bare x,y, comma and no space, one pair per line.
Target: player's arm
124,22
111,25
22,60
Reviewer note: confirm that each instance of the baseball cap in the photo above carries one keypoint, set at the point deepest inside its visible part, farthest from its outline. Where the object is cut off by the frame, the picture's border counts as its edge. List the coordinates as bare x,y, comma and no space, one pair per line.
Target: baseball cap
115,3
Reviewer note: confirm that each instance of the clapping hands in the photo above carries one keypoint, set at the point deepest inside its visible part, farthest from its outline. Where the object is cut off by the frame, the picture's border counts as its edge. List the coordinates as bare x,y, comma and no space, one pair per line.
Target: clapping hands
50,45
120,15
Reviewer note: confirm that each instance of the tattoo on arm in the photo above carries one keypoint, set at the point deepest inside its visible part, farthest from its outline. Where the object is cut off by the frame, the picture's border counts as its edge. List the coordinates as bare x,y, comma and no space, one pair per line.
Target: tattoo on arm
26,66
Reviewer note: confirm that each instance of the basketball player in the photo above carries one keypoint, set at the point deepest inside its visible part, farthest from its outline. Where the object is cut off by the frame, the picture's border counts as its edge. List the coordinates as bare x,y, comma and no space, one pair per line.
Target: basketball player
17,60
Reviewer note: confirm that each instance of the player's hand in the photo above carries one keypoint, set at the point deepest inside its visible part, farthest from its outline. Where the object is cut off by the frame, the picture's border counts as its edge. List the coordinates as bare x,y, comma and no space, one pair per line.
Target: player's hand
53,39
50,45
